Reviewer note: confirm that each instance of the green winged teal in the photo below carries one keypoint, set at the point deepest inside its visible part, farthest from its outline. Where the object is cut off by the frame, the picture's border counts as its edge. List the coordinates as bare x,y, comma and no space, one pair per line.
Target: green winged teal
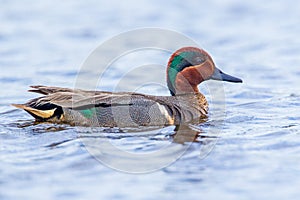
187,68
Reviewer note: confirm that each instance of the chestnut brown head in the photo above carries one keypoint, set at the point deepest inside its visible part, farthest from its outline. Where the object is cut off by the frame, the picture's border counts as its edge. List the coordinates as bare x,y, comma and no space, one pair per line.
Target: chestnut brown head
188,67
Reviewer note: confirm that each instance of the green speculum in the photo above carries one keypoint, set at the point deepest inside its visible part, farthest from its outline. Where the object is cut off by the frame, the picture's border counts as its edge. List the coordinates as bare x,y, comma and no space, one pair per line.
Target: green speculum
88,113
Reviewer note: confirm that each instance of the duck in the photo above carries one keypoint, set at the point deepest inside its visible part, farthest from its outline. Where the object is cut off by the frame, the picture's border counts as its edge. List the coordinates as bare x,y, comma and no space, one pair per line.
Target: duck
186,69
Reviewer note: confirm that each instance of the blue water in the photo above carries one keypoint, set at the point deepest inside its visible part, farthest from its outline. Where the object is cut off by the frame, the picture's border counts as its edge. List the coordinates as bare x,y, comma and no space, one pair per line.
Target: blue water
256,154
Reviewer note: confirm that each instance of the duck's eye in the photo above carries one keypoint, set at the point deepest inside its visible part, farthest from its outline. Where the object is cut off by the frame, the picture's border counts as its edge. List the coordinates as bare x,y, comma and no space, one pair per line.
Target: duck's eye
199,60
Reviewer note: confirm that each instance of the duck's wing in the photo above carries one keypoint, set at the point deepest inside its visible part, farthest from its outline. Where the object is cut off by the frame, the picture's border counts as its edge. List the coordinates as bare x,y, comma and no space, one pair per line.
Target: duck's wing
45,90
84,99
56,99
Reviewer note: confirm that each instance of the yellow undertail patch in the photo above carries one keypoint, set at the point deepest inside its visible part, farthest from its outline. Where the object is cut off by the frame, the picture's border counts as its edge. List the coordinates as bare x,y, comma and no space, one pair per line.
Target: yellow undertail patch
40,113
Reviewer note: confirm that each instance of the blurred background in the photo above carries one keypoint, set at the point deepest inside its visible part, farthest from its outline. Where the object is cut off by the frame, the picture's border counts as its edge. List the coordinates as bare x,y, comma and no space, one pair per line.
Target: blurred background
258,154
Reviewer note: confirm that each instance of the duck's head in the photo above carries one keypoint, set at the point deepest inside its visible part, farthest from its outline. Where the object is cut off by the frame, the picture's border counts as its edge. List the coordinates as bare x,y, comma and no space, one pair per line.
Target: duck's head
189,66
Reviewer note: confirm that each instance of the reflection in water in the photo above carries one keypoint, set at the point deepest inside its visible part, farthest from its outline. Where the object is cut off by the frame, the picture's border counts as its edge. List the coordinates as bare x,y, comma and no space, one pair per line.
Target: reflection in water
185,134
39,127
145,149
189,133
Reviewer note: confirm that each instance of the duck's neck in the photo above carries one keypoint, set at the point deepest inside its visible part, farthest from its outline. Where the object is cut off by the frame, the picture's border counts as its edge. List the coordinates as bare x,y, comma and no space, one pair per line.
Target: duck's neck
183,87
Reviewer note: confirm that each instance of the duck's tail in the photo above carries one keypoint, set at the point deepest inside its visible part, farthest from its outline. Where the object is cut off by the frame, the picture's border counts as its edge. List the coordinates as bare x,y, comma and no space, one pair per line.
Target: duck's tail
39,114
